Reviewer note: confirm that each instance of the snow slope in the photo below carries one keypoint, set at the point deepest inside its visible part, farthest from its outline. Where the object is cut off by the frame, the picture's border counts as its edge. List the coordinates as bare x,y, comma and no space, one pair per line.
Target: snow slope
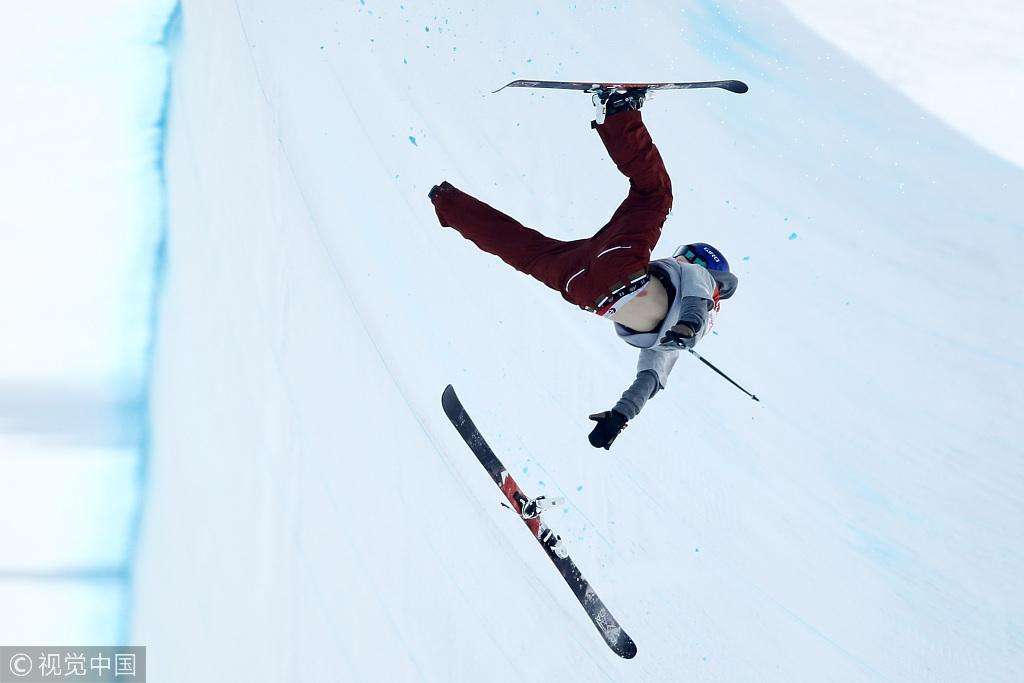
81,222
961,62
313,516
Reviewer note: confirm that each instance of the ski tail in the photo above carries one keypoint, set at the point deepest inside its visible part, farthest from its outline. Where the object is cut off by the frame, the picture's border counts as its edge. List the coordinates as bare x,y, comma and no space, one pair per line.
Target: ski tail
738,87
464,425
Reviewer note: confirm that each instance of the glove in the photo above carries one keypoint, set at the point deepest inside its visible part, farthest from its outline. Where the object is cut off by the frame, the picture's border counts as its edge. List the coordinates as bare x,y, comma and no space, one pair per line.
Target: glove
609,425
681,335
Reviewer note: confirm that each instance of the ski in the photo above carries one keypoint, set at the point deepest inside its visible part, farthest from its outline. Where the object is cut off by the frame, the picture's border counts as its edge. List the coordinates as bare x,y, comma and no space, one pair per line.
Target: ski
731,86
613,634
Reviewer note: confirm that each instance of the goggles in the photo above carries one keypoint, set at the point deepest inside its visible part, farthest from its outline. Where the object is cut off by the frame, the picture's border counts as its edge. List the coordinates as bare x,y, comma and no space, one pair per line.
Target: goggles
690,255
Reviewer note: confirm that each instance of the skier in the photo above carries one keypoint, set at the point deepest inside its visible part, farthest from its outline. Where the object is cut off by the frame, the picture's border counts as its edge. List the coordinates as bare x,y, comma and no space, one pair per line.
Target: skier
658,306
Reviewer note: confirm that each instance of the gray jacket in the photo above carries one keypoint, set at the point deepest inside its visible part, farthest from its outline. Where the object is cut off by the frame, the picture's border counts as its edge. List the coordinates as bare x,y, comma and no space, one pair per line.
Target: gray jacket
691,291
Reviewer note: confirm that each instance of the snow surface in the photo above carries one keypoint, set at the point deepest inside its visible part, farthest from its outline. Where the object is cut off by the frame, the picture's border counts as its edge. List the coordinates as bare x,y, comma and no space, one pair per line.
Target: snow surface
312,515
81,219
961,61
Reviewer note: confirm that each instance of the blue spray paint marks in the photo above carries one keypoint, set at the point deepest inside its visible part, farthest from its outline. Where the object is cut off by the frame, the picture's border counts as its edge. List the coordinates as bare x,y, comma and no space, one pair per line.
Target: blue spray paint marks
792,236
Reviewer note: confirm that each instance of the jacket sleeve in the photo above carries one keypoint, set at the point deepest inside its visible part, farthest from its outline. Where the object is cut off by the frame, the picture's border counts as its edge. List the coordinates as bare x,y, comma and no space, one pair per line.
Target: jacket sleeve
694,312
633,399
659,360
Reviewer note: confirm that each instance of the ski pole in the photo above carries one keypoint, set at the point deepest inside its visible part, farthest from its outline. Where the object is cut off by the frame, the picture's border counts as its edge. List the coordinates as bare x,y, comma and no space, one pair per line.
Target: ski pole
705,361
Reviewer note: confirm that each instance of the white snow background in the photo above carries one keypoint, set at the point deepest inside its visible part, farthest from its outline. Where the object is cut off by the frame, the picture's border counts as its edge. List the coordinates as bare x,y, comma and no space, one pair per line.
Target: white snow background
312,515
960,61
82,89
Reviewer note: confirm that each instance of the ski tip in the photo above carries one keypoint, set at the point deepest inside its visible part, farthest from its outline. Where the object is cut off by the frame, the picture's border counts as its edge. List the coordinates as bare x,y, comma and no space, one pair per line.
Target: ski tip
736,86
626,648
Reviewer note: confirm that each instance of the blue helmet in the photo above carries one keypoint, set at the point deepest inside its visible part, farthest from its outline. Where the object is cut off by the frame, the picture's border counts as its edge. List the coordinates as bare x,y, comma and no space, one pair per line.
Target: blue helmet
703,254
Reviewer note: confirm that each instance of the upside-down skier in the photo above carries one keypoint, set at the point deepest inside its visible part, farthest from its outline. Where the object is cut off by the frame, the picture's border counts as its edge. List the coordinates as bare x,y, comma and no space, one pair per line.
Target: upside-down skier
659,306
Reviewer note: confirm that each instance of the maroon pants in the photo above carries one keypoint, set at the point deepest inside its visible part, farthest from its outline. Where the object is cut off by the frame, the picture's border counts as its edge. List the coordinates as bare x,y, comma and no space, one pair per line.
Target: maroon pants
586,270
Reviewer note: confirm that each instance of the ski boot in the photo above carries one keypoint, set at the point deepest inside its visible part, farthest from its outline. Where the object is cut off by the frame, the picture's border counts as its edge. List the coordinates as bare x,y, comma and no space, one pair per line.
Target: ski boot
533,507
614,101
445,186
554,542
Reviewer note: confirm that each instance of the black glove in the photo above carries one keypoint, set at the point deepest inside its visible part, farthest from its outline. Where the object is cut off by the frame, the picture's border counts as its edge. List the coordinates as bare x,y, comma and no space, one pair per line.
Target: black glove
680,335
609,425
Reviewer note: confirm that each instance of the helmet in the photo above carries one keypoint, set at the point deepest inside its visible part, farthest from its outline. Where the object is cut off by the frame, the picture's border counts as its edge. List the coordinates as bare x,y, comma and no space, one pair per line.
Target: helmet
703,254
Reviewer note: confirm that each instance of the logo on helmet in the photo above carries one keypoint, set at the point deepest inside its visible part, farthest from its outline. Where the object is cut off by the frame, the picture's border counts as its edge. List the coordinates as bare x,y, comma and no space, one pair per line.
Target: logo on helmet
712,254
